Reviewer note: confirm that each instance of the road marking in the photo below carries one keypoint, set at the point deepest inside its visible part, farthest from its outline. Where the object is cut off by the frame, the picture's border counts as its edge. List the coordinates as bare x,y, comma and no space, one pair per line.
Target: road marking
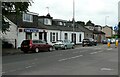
109,49
96,52
70,58
28,67
93,52
79,51
106,69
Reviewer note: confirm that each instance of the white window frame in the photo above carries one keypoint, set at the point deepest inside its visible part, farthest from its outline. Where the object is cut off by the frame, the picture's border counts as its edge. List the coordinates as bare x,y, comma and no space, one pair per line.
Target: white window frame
25,17
47,21
53,37
66,36
60,23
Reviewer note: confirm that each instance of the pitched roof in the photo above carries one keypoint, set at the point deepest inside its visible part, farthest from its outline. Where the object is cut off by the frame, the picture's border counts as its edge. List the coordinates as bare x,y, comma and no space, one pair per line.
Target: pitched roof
107,26
56,27
98,32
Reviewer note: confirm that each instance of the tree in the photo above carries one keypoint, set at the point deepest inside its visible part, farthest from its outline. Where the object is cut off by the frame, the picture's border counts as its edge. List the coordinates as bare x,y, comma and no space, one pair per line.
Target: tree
9,7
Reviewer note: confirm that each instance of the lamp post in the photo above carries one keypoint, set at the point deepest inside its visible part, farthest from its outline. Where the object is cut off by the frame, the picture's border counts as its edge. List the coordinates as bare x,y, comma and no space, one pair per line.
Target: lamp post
106,20
73,20
47,9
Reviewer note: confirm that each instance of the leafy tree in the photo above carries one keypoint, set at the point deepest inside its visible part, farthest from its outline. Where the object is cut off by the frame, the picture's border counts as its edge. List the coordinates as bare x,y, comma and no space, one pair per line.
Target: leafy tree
9,7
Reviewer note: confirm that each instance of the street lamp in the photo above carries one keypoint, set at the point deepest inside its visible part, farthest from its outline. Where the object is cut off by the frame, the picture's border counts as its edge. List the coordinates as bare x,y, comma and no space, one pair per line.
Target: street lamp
47,9
106,20
73,20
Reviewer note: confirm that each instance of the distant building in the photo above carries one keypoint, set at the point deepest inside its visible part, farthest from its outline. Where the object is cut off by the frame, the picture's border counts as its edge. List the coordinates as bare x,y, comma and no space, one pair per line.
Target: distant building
97,32
108,31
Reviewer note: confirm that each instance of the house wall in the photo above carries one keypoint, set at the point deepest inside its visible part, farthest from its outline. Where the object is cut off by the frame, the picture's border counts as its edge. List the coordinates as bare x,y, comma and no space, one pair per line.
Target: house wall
10,35
88,35
107,31
70,36
61,36
53,31
21,37
35,36
90,27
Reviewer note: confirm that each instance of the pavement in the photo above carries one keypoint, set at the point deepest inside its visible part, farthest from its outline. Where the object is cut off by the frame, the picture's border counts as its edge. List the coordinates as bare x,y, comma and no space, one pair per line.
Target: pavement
10,51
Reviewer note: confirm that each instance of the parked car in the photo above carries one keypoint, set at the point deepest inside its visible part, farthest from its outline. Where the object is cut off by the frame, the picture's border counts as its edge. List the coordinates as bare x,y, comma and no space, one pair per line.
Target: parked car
63,44
89,42
104,41
112,40
35,45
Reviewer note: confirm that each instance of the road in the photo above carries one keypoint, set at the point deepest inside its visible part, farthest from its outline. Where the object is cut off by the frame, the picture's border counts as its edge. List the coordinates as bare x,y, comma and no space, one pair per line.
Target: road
95,60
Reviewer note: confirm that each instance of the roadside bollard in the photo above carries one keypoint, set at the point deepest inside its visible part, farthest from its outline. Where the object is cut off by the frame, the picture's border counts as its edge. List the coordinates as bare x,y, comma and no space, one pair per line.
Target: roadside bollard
116,43
108,44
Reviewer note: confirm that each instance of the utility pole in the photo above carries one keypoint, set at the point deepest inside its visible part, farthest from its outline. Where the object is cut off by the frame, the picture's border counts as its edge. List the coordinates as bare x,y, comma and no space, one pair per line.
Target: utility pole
73,21
106,20
47,9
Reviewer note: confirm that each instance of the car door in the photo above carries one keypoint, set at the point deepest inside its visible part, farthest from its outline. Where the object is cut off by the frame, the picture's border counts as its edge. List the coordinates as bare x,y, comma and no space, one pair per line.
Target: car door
44,45
67,43
41,45
70,44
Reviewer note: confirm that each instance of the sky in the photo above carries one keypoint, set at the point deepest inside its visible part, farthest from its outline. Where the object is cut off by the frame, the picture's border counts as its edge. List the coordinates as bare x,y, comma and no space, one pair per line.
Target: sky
98,11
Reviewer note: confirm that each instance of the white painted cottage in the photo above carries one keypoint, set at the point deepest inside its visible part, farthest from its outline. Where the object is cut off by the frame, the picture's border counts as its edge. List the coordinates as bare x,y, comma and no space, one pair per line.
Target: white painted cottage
32,26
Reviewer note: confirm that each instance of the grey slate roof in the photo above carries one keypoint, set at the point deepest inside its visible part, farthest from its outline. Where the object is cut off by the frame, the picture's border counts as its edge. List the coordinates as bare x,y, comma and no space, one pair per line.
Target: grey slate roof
56,27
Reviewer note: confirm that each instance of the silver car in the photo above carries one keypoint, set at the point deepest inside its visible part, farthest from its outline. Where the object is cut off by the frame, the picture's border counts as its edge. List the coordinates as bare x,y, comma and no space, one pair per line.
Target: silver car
63,44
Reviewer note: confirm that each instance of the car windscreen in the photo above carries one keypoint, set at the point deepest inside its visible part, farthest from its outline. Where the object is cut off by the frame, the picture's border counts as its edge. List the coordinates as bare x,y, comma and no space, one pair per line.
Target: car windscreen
26,42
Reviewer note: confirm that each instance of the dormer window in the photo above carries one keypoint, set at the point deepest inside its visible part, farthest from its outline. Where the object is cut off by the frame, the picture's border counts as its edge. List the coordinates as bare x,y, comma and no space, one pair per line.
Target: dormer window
60,23
47,21
27,17
64,24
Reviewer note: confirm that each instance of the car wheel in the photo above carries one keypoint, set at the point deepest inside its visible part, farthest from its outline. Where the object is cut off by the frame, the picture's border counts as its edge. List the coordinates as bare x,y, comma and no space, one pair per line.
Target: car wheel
83,45
56,48
50,49
36,50
73,47
65,47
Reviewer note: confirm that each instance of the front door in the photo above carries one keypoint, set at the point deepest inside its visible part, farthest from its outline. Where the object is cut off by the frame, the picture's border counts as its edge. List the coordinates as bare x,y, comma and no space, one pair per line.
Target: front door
74,38
40,35
28,35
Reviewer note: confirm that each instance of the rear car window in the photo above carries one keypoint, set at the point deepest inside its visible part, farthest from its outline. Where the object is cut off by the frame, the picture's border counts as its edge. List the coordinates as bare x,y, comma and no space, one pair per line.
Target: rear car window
35,41
26,42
